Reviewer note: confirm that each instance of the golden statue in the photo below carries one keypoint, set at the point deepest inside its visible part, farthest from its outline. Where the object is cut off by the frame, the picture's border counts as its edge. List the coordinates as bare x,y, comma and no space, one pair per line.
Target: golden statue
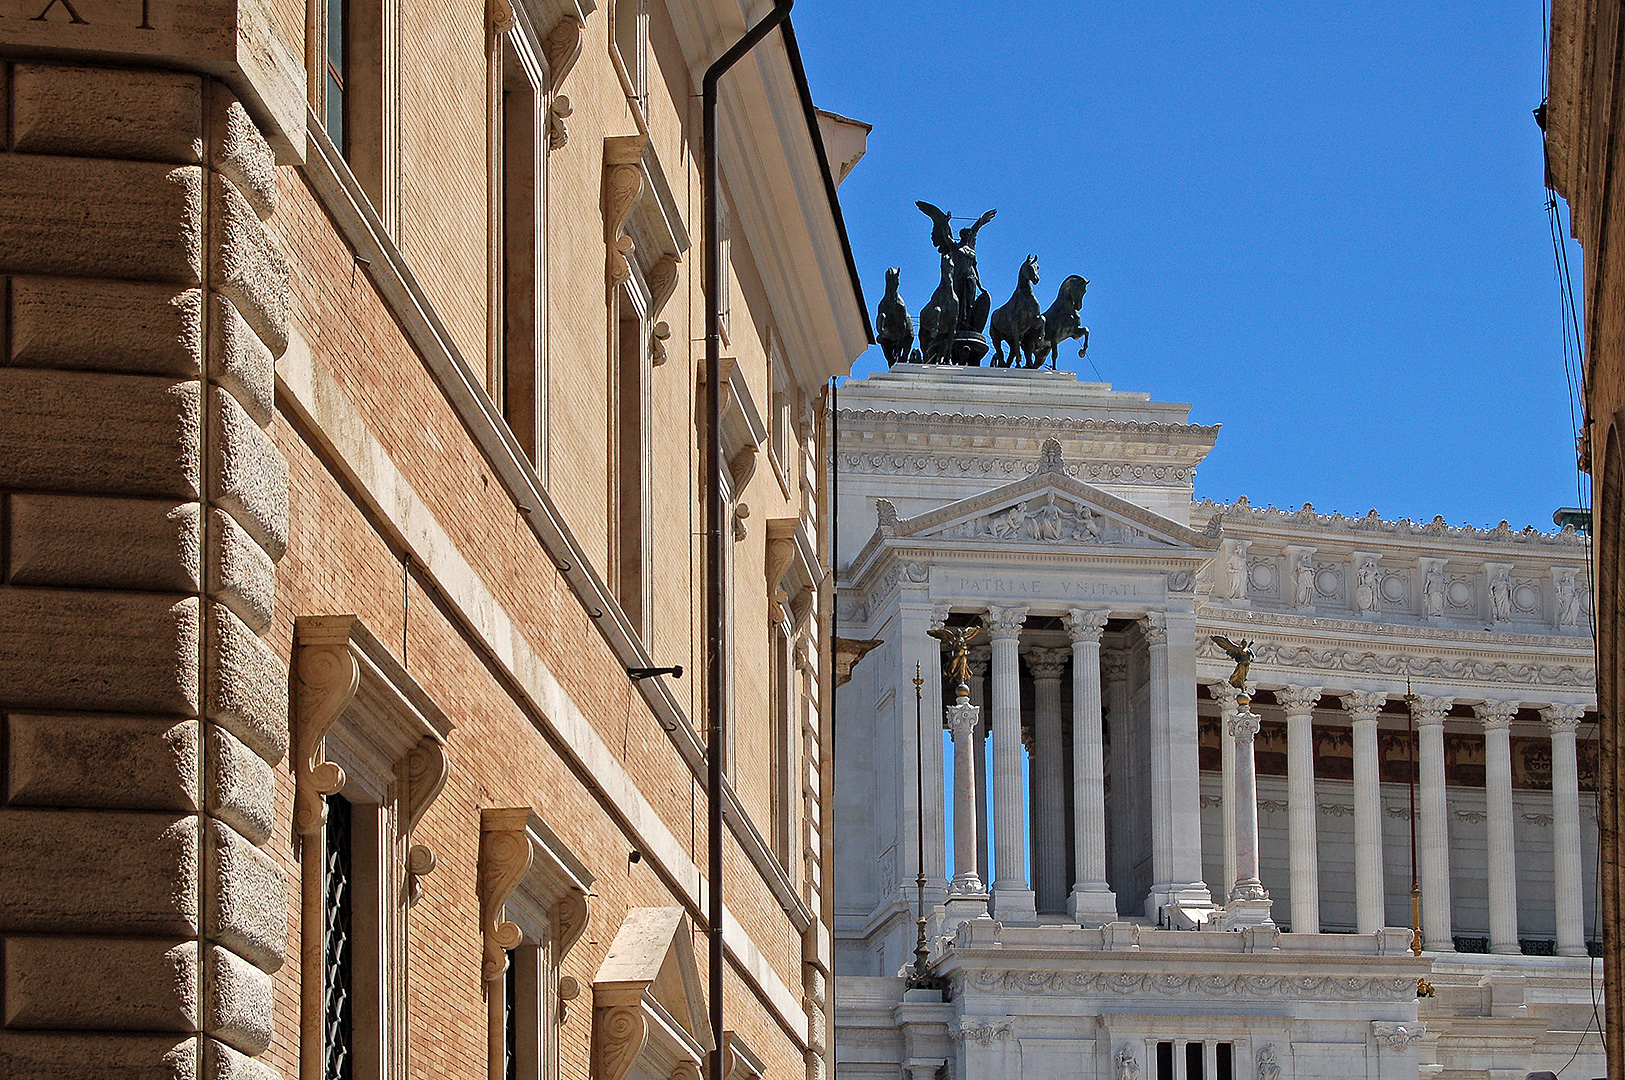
1242,653
958,638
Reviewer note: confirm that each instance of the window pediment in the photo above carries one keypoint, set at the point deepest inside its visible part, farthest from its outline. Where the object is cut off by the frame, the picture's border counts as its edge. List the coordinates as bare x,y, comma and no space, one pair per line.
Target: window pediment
643,225
649,1013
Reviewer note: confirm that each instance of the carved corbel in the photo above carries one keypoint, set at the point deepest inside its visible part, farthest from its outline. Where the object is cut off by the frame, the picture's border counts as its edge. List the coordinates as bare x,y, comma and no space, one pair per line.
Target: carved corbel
741,512
561,47
619,1031
505,857
498,16
426,769
780,551
623,183
328,677
662,281
742,466
688,1070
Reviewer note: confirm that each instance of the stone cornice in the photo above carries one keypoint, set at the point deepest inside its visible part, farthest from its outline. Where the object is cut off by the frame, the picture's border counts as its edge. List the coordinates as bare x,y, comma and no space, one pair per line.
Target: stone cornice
1025,425
1299,522
1358,632
954,462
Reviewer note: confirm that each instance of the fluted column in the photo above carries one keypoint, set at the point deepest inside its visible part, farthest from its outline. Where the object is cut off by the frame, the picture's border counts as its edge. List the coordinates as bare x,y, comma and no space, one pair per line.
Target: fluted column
1303,839
1566,872
1180,897
1433,825
1013,900
1048,770
1225,695
1125,773
963,719
1496,716
1092,900
1156,640
1248,903
980,657
1369,914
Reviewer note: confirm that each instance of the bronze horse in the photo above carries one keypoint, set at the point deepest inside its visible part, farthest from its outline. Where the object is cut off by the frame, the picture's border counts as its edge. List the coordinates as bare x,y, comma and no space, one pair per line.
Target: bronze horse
1061,321
1020,322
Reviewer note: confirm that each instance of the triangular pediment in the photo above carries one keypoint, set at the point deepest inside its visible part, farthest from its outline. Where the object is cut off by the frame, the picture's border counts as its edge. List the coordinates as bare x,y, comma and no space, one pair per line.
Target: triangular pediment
1047,508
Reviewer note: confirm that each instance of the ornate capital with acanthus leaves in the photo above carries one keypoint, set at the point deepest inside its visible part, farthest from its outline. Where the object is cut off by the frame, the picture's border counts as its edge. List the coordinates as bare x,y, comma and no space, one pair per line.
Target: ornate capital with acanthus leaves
1495,715
1156,628
1243,726
1562,717
1298,700
1085,625
1047,663
1225,695
1005,623
1364,704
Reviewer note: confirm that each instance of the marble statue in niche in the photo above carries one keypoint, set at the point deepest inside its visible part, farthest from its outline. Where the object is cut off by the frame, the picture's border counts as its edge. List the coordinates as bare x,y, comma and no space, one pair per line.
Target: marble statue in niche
1433,591
1127,1067
1501,596
1568,600
1303,583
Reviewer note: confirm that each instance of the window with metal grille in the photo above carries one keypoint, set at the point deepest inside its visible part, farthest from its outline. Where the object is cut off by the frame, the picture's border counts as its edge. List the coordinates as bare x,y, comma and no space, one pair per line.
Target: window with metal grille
510,1019
338,906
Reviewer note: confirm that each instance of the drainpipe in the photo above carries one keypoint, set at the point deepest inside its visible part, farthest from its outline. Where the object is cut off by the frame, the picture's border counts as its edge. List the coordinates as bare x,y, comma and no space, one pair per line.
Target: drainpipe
715,587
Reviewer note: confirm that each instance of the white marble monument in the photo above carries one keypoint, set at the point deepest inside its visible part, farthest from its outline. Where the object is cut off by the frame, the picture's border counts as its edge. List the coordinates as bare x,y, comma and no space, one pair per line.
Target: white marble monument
1148,881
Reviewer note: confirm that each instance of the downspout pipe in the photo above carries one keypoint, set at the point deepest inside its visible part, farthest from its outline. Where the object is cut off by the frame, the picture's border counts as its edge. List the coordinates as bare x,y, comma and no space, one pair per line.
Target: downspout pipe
715,563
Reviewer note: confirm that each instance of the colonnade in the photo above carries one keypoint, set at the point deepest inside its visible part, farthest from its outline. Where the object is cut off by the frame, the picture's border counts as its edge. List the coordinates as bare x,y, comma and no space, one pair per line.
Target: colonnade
1432,828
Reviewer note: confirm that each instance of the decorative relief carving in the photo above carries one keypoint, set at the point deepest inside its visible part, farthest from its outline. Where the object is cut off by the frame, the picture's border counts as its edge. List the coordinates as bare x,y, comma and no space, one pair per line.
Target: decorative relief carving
1128,1068
1169,983
1273,806
1298,700
1085,625
1181,581
1303,577
562,47
1397,1037
1367,662
1234,579
1496,715
1563,717
1366,597
1156,628
505,857
1328,581
328,677
1567,596
1336,809
618,1037
623,183
1047,663
426,769
1471,817
1262,577
1542,821
1243,511
1364,704
980,1030
1268,1068
1005,622
1498,578
1047,521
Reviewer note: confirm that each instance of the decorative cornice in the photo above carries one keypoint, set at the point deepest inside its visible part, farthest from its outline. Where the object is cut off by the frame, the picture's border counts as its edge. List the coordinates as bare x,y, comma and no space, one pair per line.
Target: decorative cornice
886,463
505,856
891,418
1242,511
1370,662
1172,983
328,676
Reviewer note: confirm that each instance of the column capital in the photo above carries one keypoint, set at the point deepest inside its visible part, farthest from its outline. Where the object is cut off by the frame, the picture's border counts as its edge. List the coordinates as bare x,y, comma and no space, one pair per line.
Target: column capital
1243,726
1495,715
1113,665
1156,627
1364,704
1005,623
1562,717
962,719
1225,695
1298,700
939,616
1047,663
1432,709
1085,625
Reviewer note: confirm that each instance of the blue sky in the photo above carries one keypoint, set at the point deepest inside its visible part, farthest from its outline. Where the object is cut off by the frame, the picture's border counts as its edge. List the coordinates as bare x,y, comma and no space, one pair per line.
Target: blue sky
1322,225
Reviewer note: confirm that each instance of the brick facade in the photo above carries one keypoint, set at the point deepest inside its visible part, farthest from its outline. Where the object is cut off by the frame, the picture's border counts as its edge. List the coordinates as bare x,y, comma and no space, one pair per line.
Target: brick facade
237,402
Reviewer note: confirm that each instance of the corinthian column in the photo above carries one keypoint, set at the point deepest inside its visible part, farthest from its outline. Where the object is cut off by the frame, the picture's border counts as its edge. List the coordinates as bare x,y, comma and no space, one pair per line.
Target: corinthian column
1248,903
1304,846
1048,770
1363,707
1563,720
1496,716
979,660
1432,826
963,718
1225,695
1092,900
1013,900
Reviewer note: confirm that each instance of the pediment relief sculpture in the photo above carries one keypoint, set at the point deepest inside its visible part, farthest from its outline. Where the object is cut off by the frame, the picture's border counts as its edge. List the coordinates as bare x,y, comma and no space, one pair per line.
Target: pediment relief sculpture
1048,520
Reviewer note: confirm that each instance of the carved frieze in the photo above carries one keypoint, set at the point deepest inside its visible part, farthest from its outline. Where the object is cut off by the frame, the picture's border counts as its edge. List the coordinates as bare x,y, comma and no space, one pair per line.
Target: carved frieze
1047,520
1177,984
980,1030
1243,511
1369,662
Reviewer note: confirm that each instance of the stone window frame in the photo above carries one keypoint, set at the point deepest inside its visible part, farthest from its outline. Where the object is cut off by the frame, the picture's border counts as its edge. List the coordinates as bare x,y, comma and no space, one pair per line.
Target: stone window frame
631,34
364,729
793,578
369,144
534,907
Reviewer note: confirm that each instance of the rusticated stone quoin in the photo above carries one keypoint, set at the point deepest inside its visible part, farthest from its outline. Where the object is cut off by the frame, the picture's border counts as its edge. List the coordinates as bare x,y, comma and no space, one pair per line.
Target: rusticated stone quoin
248,268
132,873
96,325
248,904
99,434
103,762
239,1003
241,154
134,652
240,787
241,575
107,113
240,362
248,686
76,540
101,984
248,475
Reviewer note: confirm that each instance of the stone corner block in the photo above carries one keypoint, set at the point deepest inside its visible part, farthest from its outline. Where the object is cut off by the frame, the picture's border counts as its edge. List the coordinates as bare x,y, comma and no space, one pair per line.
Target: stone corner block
101,984
240,362
248,902
107,112
240,1002
241,575
53,1055
247,474
248,265
241,787
102,762
105,542
248,686
221,1062
99,325
241,153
